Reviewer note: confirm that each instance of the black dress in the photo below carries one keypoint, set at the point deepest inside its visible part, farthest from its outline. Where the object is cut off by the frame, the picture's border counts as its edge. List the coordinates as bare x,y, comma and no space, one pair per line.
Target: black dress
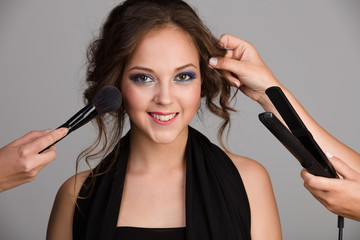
136,233
216,203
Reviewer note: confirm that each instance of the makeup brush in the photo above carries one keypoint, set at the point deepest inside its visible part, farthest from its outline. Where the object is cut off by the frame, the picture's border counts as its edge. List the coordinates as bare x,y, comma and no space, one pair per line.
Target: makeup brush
108,99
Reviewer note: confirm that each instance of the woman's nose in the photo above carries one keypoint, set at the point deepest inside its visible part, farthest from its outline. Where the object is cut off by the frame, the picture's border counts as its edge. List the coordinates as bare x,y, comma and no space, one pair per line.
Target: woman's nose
164,94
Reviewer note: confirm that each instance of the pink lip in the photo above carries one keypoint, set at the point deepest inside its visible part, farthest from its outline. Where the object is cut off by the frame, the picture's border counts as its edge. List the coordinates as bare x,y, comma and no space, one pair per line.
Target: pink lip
162,122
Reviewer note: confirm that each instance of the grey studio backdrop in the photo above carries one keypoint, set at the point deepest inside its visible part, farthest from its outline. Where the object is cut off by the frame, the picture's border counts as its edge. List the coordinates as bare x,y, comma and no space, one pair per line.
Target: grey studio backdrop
311,46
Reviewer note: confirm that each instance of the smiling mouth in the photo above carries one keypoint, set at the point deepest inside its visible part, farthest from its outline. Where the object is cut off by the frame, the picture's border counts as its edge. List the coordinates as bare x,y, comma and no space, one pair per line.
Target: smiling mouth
163,117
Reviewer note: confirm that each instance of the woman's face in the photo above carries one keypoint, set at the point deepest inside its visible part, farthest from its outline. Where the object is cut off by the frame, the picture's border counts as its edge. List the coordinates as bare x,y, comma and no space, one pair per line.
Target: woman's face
161,85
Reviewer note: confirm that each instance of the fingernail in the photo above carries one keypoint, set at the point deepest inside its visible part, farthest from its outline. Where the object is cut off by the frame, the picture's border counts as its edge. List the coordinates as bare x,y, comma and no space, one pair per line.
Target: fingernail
213,61
64,131
237,84
329,155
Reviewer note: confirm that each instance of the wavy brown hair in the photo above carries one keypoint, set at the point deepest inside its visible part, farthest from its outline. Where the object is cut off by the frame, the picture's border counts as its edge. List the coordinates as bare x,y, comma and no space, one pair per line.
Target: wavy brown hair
120,35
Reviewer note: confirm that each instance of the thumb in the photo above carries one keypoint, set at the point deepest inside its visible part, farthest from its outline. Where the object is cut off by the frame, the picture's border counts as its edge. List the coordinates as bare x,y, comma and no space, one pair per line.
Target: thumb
342,168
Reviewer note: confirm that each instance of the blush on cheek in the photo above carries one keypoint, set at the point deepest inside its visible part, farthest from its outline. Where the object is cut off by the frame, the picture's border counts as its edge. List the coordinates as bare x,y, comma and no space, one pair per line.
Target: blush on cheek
193,98
131,98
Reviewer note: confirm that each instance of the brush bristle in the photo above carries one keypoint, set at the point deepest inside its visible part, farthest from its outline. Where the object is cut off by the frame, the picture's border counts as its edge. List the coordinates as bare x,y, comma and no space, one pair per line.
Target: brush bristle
108,99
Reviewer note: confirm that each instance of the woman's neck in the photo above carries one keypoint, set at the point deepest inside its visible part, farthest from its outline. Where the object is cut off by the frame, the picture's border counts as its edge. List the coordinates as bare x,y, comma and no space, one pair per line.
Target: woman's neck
147,155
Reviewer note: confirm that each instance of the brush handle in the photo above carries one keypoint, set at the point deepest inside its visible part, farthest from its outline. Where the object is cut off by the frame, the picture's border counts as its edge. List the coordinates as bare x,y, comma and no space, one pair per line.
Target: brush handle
79,119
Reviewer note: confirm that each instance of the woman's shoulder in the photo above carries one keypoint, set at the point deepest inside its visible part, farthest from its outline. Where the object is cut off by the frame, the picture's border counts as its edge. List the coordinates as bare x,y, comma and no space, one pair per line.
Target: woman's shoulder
69,190
254,176
264,214
61,217
74,183
249,169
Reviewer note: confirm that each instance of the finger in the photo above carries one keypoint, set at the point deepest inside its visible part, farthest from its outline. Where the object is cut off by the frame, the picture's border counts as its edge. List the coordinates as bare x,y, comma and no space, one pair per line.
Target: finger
231,79
342,168
305,175
243,50
46,157
232,42
50,138
237,67
229,54
318,195
29,137
315,192
316,182
37,167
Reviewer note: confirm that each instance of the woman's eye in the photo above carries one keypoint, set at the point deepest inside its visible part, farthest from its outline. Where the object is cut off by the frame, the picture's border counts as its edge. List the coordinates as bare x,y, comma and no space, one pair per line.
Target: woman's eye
142,78
185,77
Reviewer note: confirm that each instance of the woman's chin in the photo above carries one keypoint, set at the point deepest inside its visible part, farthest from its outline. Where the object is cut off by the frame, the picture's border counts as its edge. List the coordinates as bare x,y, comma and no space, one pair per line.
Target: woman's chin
168,137
164,139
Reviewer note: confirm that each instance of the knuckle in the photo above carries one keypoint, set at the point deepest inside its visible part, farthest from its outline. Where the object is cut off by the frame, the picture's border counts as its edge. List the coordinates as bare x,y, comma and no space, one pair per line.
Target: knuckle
223,62
338,163
25,167
24,162
33,132
50,138
335,161
223,40
250,44
31,176
302,174
330,205
224,36
51,156
23,153
311,182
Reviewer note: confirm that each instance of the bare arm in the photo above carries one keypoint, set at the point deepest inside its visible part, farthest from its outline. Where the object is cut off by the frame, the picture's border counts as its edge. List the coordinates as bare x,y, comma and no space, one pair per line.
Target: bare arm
265,220
61,218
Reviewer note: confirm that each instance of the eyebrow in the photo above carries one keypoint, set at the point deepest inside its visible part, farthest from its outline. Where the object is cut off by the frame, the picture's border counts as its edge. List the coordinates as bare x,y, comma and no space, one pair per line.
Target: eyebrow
150,70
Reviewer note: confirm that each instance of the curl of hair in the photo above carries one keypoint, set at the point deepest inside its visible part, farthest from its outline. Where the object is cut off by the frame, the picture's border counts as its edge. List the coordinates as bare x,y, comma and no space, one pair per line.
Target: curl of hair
122,31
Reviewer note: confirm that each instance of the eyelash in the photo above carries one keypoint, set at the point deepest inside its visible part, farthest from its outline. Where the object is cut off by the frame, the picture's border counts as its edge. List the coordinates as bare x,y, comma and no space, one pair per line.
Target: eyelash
137,78
190,76
149,79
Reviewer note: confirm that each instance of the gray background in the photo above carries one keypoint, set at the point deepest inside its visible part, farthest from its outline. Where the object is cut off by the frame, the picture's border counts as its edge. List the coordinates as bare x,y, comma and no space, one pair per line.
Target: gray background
311,46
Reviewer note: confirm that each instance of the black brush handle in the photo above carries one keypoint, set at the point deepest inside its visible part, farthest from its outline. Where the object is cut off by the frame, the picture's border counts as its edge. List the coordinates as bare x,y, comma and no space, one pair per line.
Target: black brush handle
79,119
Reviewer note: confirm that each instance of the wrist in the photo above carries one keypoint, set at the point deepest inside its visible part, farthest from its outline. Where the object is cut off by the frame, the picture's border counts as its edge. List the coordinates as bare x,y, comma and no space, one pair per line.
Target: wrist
265,101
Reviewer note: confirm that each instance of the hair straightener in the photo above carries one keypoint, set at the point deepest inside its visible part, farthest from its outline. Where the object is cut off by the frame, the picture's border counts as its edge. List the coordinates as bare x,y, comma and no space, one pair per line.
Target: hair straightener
297,139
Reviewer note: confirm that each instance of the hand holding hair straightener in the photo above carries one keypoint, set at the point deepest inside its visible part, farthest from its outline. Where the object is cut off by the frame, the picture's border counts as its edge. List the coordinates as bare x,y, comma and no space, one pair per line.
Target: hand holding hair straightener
243,68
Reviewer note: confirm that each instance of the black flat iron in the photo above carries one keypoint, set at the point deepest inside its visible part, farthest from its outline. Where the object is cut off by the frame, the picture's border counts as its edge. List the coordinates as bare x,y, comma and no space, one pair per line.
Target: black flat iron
297,139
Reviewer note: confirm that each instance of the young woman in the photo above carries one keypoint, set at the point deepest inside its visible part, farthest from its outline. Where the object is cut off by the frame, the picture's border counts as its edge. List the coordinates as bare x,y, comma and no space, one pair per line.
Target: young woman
163,179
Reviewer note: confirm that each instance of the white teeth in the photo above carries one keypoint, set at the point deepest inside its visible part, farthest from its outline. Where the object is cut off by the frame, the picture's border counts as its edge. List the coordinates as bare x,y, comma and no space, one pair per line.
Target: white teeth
163,118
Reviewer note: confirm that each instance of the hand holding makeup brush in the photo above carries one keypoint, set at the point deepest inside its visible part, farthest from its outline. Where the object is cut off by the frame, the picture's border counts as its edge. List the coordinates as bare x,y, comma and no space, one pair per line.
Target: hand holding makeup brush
20,160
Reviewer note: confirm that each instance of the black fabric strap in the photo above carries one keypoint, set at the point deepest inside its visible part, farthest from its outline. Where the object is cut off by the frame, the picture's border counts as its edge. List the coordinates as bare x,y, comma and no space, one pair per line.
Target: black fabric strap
217,206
